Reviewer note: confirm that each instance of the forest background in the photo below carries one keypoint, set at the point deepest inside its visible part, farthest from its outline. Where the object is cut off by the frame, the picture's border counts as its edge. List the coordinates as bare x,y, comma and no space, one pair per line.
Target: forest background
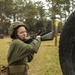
34,14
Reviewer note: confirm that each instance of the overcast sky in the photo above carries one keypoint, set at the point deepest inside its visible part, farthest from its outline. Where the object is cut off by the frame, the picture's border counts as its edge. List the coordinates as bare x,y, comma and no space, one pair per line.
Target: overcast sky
39,0
44,1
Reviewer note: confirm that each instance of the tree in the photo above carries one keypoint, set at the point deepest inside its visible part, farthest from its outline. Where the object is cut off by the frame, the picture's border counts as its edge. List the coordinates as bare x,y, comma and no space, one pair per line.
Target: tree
5,6
59,7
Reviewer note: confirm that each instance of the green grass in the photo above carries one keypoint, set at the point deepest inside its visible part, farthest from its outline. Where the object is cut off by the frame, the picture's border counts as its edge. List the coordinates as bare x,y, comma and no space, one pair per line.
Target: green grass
45,62
4,45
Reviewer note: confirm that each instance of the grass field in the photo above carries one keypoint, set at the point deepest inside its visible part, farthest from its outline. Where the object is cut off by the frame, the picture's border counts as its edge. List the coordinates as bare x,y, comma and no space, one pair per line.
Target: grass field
45,62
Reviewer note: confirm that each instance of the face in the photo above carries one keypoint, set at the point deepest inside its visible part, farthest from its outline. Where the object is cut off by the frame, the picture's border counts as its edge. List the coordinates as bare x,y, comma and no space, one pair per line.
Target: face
21,32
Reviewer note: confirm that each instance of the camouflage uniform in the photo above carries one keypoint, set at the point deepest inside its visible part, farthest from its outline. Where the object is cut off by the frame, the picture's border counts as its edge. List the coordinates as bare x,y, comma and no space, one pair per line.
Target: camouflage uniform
20,53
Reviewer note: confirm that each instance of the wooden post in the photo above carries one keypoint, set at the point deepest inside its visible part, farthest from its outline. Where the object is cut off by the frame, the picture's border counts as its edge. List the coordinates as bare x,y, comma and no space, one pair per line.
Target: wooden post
56,32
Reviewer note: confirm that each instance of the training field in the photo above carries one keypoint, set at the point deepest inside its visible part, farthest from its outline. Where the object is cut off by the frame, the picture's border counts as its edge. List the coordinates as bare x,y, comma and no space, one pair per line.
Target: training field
45,62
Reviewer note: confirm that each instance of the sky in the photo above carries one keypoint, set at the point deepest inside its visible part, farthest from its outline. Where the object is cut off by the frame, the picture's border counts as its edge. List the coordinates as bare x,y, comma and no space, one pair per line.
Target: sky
44,1
39,0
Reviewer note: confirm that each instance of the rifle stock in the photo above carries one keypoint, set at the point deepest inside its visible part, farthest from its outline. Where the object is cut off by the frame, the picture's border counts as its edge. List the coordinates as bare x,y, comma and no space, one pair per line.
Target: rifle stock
47,36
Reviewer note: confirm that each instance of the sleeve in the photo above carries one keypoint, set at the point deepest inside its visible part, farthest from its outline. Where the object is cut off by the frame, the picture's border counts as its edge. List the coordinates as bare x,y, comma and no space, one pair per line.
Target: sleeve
36,44
32,47
30,57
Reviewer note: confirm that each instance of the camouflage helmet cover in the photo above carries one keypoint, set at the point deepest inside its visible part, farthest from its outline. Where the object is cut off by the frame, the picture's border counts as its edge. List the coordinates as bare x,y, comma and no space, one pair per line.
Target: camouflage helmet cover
15,25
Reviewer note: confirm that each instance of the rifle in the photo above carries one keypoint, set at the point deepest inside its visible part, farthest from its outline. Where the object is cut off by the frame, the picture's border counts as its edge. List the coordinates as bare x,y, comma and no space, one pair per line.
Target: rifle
44,36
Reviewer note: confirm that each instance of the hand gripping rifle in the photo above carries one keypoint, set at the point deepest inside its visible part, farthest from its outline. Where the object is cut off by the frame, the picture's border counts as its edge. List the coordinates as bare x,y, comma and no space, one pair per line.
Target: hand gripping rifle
44,36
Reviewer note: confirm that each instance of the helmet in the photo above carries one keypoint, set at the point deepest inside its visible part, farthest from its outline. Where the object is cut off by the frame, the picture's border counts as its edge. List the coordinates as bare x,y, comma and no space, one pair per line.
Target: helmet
15,25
